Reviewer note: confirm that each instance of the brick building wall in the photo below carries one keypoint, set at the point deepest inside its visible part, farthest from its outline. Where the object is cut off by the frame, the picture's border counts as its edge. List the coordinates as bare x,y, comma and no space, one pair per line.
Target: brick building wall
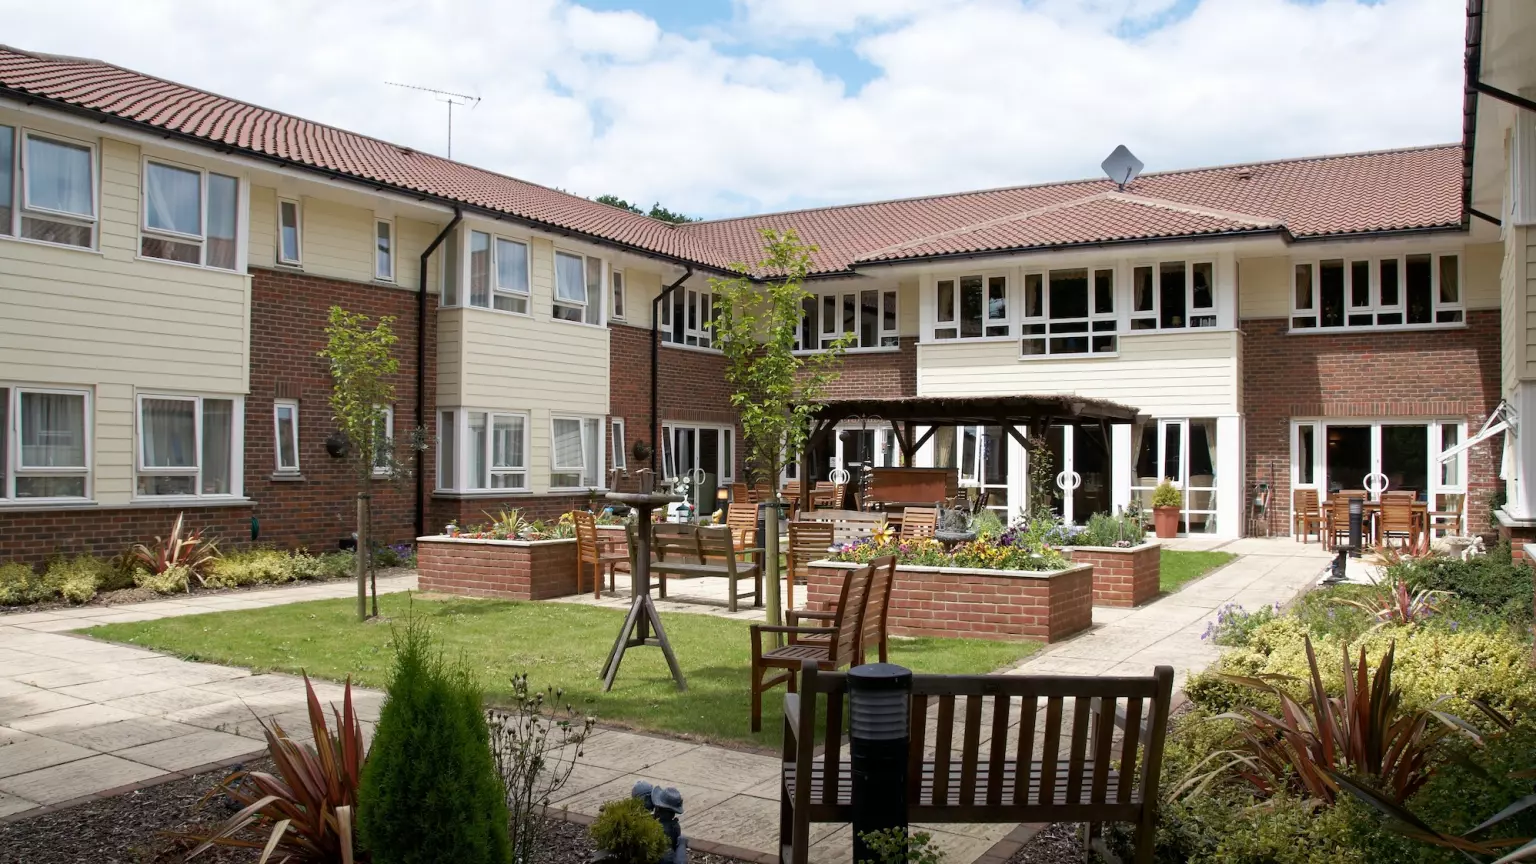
878,373
1122,577
1437,374
32,537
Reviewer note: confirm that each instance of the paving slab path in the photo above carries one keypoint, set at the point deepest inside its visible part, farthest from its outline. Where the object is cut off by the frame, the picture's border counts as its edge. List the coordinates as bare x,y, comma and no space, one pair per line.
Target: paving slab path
81,719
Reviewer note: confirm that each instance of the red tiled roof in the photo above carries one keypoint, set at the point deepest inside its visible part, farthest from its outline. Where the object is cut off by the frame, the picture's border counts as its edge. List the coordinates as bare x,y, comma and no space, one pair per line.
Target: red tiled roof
1390,191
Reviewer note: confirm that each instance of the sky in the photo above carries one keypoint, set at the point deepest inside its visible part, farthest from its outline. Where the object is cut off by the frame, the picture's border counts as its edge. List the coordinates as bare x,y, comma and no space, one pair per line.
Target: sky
724,107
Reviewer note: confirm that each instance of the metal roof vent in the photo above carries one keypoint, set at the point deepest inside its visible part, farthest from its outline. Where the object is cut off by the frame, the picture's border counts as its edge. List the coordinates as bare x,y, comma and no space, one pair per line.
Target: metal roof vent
1122,166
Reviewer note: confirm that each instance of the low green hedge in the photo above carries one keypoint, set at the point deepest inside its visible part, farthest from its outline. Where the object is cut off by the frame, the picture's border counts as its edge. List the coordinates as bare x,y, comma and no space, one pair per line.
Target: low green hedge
80,578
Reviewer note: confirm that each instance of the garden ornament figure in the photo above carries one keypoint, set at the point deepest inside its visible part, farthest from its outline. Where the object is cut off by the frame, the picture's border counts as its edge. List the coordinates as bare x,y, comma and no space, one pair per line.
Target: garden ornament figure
667,806
642,790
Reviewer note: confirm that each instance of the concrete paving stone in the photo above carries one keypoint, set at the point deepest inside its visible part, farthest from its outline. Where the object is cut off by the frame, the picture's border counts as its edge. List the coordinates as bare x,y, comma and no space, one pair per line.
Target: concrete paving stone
962,847
12,686
34,701
190,751
224,716
744,821
52,625
583,778
122,734
628,752
254,685
74,779
123,617
117,688
69,719
90,651
161,702
34,752
195,674
18,619
696,799
835,848
1053,665
11,804
769,789
727,770
67,676
7,735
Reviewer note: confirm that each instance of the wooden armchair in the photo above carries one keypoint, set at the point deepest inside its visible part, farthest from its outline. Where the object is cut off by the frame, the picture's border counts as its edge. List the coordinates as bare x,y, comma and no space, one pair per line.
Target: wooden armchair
595,551
842,645
808,541
876,614
1336,519
917,522
1397,520
742,519
1306,514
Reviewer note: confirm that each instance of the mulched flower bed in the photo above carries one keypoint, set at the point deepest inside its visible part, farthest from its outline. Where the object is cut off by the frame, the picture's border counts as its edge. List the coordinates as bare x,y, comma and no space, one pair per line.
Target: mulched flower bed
1060,843
144,595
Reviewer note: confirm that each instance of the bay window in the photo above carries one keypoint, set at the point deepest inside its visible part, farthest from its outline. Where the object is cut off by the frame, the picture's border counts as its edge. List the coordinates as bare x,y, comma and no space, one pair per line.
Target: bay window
688,318
1172,295
576,453
578,288
870,315
971,307
498,274
285,419
493,446
1069,312
190,215
45,450
55,180
1408,290
187,446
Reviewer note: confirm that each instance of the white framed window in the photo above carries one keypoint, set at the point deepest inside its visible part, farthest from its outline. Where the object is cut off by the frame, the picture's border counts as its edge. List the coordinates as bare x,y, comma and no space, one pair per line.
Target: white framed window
384,442
620,453
1173,295
190,216
578,288
498,273
1069,311
575,452
1418,290
971,307
384,250
688,318
616,306
285,422
869,314
290,232
49,189
45,443
482,451
188,446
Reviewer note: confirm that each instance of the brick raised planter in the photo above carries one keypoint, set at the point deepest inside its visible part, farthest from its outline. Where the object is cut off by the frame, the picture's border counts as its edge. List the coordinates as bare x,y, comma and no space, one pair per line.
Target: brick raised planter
1122,576
1046,605
506,569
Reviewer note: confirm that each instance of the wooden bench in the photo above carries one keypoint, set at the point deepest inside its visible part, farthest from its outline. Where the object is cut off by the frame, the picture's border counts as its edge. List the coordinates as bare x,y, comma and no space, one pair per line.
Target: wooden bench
847,525
1087,770
686,550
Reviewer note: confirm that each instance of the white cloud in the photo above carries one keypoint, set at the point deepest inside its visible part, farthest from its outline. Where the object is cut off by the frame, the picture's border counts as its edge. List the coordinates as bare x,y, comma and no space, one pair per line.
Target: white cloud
969,93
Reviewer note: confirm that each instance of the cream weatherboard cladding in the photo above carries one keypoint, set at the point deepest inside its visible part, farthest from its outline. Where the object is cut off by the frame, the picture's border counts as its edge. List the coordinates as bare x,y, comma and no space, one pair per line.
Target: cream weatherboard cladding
338,240
109,321
1265,284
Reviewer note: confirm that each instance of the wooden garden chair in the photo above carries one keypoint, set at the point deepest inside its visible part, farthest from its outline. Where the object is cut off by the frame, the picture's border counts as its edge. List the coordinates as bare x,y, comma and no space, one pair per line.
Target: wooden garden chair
741,493
808,541
842,645
1397,519
595,551
1306,514
1449,519
742,519
917,522
876,614
1336,519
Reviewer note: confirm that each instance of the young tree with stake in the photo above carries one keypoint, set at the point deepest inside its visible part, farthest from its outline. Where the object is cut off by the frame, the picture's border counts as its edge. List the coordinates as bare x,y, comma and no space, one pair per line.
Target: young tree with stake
776,391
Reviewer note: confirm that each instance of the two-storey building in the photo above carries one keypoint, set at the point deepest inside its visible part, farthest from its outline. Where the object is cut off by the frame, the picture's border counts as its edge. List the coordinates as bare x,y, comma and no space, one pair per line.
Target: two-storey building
168,258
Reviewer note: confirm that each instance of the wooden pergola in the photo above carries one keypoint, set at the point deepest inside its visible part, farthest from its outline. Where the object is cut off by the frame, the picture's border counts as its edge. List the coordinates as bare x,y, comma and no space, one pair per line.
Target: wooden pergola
1034,414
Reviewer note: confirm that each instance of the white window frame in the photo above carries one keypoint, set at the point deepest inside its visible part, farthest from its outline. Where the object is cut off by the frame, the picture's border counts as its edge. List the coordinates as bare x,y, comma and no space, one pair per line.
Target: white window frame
594,472
616,435
200,239
702,303
1011,314
459,428
727,458
13,468
394,249
20,202
389,443
1044,335
236,447
298,233
591,307
1191,311
824,336
617,286
1375,308
277,435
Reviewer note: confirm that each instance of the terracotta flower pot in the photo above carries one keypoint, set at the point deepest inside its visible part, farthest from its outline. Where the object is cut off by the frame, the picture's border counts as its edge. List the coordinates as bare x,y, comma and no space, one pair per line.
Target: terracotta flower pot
1166,522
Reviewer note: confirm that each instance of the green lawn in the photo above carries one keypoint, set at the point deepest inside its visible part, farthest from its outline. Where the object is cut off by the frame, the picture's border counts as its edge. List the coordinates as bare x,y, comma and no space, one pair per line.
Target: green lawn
557,644
1178,568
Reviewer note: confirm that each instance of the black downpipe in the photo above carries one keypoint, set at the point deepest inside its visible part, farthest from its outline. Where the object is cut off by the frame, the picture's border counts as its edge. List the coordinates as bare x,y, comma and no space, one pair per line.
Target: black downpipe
421,370
655,364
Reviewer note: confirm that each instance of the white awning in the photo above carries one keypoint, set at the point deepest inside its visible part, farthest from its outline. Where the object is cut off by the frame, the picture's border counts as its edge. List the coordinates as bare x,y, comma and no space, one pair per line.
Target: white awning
1489,431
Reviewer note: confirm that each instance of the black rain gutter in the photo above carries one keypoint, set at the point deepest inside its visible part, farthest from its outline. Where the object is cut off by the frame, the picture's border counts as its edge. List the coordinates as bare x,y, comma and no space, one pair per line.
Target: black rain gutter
1474,71
1059,247
656,362
421,369
350,179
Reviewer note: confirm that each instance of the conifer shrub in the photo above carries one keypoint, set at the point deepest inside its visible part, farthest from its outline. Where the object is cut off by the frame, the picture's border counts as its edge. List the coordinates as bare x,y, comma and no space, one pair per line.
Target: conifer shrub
628,833
430,792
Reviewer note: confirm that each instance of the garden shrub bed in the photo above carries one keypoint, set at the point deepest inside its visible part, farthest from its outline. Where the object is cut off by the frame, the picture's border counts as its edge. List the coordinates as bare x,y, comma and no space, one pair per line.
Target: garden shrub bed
1048,605
1122,576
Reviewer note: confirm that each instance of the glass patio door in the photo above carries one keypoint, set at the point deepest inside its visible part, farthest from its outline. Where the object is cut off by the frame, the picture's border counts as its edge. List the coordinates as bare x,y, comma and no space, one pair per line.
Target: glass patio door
1182,451
1380,456
703,455
1081,465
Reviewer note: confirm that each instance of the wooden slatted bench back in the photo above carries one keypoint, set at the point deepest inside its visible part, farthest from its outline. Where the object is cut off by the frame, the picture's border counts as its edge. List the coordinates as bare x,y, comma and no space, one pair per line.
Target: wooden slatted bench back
678,544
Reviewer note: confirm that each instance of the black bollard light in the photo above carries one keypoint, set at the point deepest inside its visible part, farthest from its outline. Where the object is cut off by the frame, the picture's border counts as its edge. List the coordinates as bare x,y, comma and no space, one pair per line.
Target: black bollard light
879,695
1356,516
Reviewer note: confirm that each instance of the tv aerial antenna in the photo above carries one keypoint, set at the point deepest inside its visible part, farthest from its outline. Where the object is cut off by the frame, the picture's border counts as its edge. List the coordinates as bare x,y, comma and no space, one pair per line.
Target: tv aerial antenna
451,99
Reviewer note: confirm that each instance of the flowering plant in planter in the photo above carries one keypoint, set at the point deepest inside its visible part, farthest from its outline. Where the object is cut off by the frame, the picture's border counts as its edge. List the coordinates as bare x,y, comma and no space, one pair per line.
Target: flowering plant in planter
1011,551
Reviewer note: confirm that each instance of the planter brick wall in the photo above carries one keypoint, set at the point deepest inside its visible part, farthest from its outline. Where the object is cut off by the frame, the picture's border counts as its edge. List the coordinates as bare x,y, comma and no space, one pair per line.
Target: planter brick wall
1122,577
981,604
505,569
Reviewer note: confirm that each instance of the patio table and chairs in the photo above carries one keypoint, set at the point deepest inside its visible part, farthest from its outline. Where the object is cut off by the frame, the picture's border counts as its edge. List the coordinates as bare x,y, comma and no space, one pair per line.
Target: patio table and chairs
1399,515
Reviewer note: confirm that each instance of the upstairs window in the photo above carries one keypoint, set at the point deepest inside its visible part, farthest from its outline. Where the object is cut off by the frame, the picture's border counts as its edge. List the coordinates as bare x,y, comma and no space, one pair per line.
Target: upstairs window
384,250
1173,295
688,318
870,315
971,307
56,188
44,443
617,306
498,273
190,215
1069,312
289,227
578,288
1421,290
